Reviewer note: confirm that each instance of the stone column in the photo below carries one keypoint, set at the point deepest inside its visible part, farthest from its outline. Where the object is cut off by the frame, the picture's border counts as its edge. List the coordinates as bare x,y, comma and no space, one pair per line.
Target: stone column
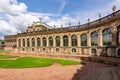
100,41
35,42
78,40
61,41
47,42
21,43
69,40
88,39
54,42
114,36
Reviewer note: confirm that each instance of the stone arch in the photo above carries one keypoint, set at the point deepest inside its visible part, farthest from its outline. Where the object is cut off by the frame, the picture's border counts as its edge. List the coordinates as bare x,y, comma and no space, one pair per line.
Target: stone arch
23,42
57,39
28,42
107,37
73,50
65,40
50,41
74,40
118,35
44,42
94,38
83,38
38,42
19,42
33,42
94,51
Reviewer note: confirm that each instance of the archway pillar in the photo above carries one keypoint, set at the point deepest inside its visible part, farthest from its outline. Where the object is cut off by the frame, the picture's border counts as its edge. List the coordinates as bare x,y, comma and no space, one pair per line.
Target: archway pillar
61,41
54,41
100,41
114,36
78,40
88,39
69,40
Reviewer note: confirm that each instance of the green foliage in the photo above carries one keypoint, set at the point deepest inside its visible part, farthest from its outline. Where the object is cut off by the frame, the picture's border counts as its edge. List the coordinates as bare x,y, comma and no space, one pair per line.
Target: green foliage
29,62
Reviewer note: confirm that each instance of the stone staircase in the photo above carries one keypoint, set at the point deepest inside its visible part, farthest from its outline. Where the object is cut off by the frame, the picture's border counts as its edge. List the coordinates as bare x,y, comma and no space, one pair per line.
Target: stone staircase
103,74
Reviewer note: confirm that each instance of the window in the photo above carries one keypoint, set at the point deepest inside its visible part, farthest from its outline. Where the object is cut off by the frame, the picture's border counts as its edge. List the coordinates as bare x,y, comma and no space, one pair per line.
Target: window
23,42
57,41
74,40
107,37
73,50
50,42
83,40
65,40
38,42
28,42
19,43
44,42
94,39
33,42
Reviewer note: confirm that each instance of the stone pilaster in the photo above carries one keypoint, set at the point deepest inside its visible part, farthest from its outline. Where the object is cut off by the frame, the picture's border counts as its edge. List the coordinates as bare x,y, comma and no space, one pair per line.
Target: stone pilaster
114,36
100,41
78,40
61,41
69,40
88,39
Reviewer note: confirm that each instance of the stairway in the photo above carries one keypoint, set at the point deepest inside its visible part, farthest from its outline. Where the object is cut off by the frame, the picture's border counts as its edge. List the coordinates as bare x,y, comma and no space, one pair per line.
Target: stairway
103,74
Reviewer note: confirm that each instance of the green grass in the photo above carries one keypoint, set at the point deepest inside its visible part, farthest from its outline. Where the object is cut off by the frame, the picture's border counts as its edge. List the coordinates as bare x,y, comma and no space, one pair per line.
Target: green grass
30,62
6,56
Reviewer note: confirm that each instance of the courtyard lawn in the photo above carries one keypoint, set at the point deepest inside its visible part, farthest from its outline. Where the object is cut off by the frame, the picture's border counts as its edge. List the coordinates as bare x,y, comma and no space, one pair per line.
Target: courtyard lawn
30,62
6,56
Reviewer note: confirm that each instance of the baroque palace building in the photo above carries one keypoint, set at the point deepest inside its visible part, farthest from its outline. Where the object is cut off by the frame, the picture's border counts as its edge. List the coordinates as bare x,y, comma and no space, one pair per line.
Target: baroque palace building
99,37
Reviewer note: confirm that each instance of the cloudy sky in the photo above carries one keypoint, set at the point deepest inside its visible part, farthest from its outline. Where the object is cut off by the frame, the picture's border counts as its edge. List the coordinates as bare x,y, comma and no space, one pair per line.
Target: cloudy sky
15,15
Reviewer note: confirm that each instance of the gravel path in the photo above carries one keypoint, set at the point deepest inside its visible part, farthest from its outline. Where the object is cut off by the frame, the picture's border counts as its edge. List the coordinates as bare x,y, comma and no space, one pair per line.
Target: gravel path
53,72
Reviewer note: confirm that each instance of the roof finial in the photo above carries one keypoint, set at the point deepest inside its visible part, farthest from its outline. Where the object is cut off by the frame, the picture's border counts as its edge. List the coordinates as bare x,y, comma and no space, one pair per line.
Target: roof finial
40,19
69,24
61,26
114,8
99,15
88,20
79,23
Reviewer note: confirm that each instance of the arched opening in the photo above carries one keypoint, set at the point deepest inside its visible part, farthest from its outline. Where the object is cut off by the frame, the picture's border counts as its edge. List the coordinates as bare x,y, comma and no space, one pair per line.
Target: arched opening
33,42
65,40
94,52
118,53
118,35
19,42
107,37
23,42
38,42
73,50
83,40
94,39
44,42
57,41
28,42
50,42
74,40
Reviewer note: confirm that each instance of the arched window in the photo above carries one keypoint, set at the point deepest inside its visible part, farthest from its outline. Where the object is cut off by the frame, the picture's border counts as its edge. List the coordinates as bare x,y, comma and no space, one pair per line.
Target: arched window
94,39
19,42
44,42
74,40
118,35
33,42
38,42
83,40
50,41
107,37
28,42
57,41
23,42
65,40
